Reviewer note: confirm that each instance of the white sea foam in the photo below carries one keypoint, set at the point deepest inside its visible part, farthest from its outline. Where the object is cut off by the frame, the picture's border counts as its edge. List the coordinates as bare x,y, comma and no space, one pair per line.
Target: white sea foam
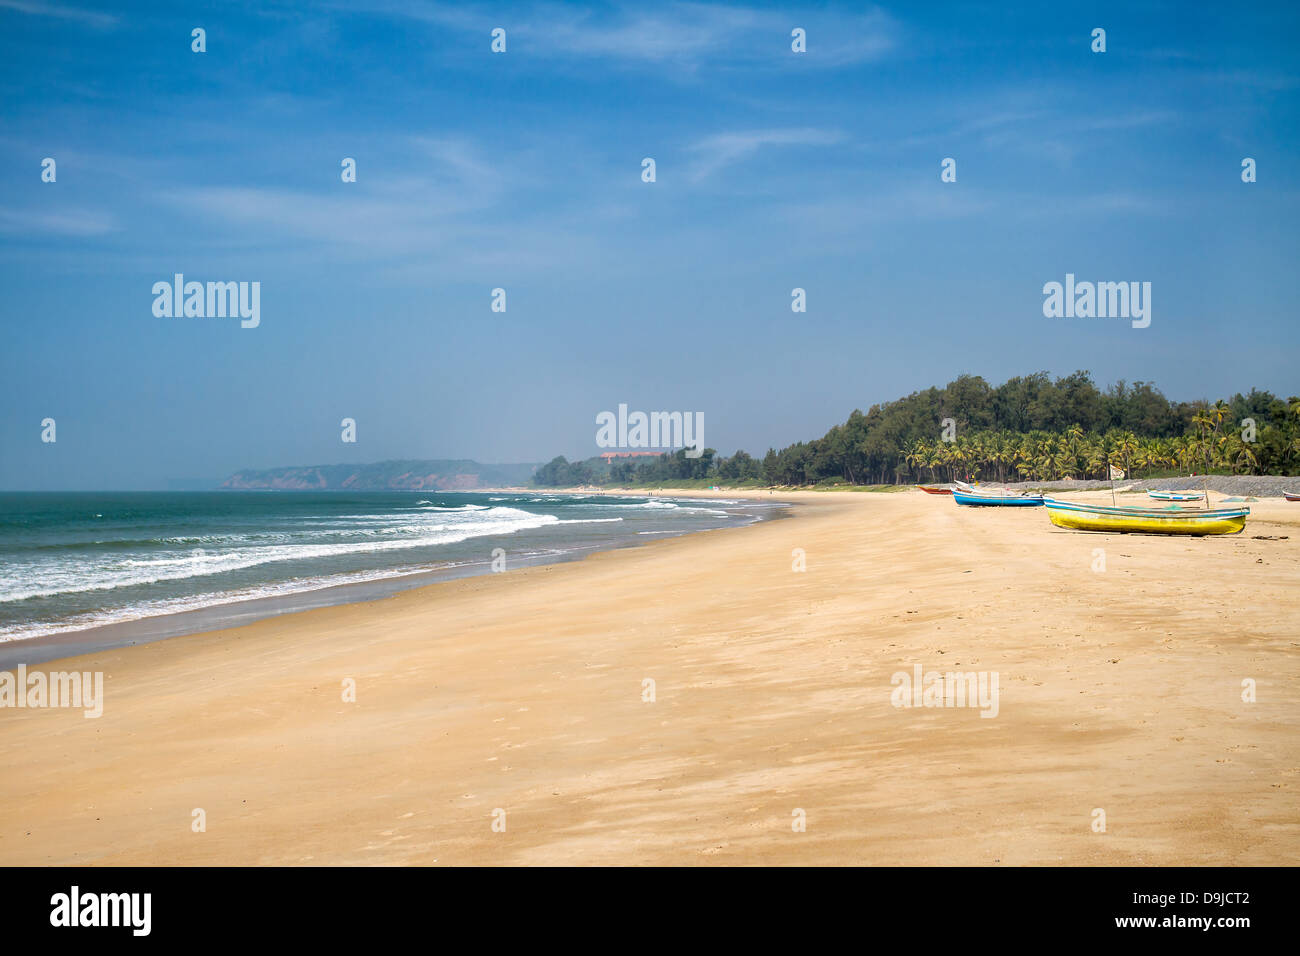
297,550
178,605
632,505
90,574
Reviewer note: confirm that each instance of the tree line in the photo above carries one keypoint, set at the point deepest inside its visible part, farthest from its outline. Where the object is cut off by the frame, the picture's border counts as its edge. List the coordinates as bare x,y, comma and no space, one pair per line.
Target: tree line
1030,427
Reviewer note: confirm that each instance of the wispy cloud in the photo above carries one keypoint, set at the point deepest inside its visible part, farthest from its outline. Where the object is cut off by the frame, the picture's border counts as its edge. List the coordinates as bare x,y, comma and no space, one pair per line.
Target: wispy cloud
410,206
863,211
73,223
672,32
458,160
402,216
1267,80
724,149
447,210
90,18
688,34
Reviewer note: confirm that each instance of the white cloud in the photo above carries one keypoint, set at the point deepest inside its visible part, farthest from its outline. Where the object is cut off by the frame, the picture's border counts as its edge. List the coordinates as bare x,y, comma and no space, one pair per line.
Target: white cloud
688,34
716,152
74,222
89,18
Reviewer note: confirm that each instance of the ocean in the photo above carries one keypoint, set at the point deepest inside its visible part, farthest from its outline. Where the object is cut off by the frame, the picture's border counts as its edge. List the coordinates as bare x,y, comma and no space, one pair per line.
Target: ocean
137,566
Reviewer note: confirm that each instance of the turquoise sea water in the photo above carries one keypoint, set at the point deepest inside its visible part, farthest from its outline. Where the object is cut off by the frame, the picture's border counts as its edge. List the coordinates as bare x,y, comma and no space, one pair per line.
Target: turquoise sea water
78,560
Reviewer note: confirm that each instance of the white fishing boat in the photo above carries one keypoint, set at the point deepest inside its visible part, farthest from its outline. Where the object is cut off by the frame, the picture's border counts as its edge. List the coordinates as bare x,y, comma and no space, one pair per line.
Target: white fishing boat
1176,495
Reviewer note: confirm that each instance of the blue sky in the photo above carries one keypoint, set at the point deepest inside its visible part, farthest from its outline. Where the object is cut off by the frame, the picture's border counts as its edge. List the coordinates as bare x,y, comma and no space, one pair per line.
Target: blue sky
522,170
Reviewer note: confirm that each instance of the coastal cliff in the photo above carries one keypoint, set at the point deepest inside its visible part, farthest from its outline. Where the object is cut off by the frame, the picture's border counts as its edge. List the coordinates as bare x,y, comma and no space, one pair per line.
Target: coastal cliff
408,475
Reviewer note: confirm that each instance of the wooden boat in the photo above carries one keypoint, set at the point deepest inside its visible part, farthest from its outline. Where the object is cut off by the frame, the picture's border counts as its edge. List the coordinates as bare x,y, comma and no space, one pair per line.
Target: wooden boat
1292,495
935,491
979,497
1177,495
1172,520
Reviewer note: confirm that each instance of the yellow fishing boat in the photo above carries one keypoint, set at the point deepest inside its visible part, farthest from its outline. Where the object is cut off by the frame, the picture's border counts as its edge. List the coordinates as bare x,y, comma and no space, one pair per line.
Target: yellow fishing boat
1173,520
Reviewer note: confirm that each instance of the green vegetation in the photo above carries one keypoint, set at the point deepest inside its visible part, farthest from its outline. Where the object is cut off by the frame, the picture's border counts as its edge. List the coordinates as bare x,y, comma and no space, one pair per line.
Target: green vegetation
1028,428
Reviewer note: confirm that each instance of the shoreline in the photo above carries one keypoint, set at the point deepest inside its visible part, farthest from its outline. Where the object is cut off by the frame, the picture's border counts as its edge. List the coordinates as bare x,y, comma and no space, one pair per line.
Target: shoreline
222,615
524,692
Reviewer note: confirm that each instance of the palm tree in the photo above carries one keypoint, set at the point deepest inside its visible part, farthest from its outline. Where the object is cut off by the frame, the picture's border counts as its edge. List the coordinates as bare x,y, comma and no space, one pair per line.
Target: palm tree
1064,462
1236,453
1006,454
933,459
1163,450
951,458
1126,447
1184,452
1244,456
1219,412
915,454
1204,423
1096,458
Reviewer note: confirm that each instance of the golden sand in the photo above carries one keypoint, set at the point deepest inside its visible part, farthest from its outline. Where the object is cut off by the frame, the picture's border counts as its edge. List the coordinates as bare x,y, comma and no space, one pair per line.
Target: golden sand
1120,690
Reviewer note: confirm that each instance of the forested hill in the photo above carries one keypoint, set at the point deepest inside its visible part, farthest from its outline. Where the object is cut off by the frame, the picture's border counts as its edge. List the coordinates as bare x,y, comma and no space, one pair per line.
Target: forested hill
1027,427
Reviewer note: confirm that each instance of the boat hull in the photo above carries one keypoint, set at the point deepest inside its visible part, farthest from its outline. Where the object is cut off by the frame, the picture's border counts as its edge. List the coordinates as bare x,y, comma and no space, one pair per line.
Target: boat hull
1176,495
935,491
1080,517
1005,501
1290,496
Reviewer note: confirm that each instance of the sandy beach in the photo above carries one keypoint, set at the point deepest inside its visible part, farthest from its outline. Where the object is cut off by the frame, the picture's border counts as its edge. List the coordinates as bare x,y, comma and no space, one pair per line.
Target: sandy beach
1120,690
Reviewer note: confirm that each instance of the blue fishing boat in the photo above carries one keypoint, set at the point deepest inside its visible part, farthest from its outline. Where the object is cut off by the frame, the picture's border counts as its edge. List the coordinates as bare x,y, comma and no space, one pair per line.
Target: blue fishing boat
991,498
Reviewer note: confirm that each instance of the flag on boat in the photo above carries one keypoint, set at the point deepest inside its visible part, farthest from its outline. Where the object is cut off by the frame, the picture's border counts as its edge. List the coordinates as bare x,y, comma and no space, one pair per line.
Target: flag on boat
1116,474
